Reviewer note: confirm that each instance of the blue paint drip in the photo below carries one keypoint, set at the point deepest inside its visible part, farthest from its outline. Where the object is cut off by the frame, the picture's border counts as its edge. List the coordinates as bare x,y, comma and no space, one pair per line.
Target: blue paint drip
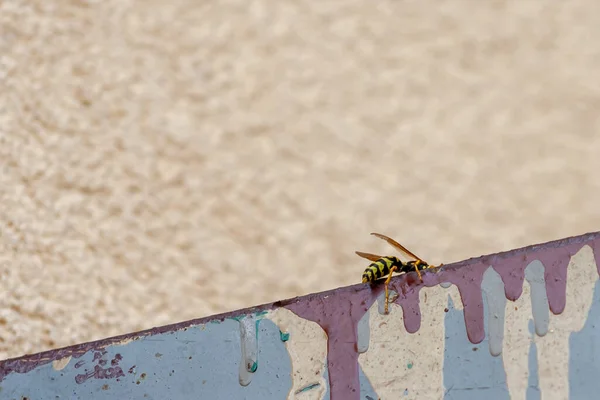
470,371
533,381
584,354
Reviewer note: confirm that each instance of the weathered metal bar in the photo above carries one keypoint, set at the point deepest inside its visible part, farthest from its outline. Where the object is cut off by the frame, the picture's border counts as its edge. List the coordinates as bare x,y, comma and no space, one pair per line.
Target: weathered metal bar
449,341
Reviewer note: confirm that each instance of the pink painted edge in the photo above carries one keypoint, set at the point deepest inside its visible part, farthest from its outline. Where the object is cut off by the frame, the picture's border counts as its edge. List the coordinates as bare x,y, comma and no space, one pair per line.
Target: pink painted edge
466,275
29,362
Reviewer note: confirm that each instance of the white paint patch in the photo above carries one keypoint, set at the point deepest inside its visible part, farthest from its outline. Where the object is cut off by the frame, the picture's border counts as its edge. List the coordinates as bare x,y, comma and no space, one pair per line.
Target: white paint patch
492,288
249,361
364,333
61,364
516,345
540,310
406,357
307,346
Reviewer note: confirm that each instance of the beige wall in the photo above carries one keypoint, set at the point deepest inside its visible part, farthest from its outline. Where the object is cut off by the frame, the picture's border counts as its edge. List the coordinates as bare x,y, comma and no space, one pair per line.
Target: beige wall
161,161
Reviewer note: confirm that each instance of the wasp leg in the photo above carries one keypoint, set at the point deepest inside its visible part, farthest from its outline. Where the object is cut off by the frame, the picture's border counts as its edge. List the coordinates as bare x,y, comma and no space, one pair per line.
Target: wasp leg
417,269
387,282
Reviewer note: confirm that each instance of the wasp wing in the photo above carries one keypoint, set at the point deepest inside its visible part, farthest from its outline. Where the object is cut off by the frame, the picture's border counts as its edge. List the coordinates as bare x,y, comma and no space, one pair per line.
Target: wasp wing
398,246
368,256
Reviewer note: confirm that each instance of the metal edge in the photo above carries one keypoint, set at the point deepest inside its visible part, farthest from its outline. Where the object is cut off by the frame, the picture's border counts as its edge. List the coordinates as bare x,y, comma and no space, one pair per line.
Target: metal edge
29,362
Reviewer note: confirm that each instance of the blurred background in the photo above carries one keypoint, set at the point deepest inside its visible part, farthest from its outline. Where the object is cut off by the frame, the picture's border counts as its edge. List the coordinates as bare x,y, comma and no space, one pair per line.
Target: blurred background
163,161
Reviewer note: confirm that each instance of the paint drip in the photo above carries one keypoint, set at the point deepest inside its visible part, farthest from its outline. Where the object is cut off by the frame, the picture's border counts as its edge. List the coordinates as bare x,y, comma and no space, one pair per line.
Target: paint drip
340,315
392,294
534,274
249,347
363,333
493,289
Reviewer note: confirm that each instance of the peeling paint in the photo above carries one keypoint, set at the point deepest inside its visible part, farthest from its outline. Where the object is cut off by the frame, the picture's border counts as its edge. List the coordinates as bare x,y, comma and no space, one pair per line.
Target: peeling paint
493,289
534,274
101,369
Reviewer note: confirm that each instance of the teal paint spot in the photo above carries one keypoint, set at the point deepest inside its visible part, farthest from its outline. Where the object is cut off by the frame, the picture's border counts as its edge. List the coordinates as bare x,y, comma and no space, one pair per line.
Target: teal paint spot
238,318
260,313
307,388
256,326
284,336
409,365
254,367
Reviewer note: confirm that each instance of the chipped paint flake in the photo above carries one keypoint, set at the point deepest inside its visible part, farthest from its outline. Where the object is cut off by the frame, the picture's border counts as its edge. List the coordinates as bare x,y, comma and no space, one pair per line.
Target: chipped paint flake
103,368
60,364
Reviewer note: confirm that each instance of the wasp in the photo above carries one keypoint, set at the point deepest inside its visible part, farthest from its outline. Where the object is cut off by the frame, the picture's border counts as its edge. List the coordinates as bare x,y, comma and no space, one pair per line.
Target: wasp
386,265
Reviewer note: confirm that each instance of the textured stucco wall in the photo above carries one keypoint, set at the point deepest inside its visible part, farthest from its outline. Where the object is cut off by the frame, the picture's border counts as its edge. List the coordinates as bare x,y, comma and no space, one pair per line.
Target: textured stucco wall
167,160
516,325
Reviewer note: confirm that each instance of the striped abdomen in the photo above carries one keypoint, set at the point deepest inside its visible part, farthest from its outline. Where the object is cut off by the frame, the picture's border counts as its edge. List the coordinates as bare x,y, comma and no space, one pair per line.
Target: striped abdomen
381,268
